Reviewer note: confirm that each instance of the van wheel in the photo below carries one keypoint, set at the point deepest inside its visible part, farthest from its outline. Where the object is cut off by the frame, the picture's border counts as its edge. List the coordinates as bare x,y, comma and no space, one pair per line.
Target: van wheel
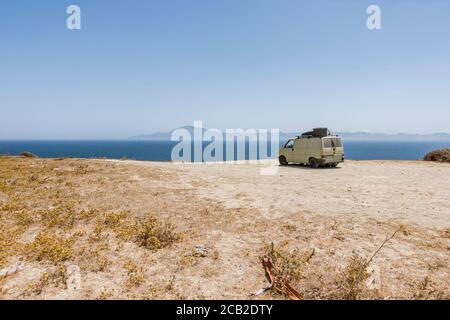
313,163
283,161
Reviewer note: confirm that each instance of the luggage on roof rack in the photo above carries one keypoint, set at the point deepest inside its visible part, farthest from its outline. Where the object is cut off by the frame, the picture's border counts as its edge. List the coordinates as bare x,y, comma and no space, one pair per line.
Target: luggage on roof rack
317,133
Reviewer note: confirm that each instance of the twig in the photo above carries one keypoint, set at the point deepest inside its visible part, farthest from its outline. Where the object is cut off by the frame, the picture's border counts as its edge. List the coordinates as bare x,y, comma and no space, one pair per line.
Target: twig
382,245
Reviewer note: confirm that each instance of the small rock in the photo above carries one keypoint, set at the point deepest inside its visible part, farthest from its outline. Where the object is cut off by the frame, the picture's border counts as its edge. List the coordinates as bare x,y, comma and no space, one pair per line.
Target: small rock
200,251
11,269
374,280
73,277
339,237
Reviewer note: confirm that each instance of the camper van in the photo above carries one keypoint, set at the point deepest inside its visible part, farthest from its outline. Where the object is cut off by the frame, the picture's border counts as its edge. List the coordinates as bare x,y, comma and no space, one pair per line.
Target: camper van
316,148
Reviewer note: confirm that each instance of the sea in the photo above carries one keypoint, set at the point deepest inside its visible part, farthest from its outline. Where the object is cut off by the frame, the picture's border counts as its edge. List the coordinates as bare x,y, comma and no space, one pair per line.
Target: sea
151,150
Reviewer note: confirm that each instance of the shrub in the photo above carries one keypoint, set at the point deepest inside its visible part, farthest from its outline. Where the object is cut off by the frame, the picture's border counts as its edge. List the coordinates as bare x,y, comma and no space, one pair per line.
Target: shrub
289,265
27,154
135,277
351,282
427,289
62,216
442,155
285,269
154,234
49,247
150,232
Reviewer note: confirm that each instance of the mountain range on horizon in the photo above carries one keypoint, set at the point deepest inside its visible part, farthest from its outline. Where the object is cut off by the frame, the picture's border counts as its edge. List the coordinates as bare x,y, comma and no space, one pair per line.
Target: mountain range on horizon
348,135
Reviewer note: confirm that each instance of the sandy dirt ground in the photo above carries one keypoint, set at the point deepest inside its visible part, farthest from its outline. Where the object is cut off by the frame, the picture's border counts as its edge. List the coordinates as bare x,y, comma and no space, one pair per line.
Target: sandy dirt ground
225,216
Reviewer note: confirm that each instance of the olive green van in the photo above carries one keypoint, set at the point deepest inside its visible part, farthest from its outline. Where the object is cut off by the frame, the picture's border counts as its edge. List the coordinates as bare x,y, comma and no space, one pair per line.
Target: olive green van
315,151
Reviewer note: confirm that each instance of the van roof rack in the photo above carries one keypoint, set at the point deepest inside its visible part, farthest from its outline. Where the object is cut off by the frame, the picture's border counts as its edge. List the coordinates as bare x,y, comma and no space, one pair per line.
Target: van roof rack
317,133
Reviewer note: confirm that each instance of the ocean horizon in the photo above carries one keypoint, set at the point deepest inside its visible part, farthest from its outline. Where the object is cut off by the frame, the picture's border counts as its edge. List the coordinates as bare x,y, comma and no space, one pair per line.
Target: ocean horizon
160,150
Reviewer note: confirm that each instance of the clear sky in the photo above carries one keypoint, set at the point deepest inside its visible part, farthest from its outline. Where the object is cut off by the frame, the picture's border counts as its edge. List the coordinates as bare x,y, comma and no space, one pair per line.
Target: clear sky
141,66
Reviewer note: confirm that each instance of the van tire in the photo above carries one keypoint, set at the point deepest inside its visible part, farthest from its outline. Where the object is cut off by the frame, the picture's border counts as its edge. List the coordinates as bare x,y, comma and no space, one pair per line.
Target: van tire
313,163
283,160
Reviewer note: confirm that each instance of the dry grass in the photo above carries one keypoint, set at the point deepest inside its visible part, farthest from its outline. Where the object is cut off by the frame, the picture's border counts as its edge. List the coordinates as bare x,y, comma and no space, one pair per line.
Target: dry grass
49,247
115,221
427,289
347,284
44,220
153,234
288,268
61,217
289,265
135,276
149,232
350,283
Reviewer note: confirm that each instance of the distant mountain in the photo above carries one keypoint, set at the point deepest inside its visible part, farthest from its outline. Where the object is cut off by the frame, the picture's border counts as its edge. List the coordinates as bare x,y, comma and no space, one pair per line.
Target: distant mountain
358,136
152,136
163,135
441,136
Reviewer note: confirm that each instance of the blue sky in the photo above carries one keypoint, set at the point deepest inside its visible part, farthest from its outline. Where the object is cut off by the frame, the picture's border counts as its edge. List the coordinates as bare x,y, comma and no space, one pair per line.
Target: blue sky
143,66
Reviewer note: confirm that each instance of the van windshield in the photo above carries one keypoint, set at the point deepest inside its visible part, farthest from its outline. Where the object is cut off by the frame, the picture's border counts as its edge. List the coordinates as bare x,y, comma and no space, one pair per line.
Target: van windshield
289,144
332,143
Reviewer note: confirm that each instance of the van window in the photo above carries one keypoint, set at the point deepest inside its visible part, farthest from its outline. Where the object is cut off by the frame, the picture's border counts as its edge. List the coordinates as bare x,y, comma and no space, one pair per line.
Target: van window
332,143
327,143
289,144
337,142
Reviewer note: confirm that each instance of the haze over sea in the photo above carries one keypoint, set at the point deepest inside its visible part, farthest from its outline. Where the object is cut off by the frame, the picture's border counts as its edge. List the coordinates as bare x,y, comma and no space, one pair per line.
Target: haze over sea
161,150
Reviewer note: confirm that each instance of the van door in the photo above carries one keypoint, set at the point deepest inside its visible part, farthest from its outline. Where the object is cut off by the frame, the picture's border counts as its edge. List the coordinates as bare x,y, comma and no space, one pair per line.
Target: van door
301,149
338,148
327,145
289,150
295,151
332,148
315,149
